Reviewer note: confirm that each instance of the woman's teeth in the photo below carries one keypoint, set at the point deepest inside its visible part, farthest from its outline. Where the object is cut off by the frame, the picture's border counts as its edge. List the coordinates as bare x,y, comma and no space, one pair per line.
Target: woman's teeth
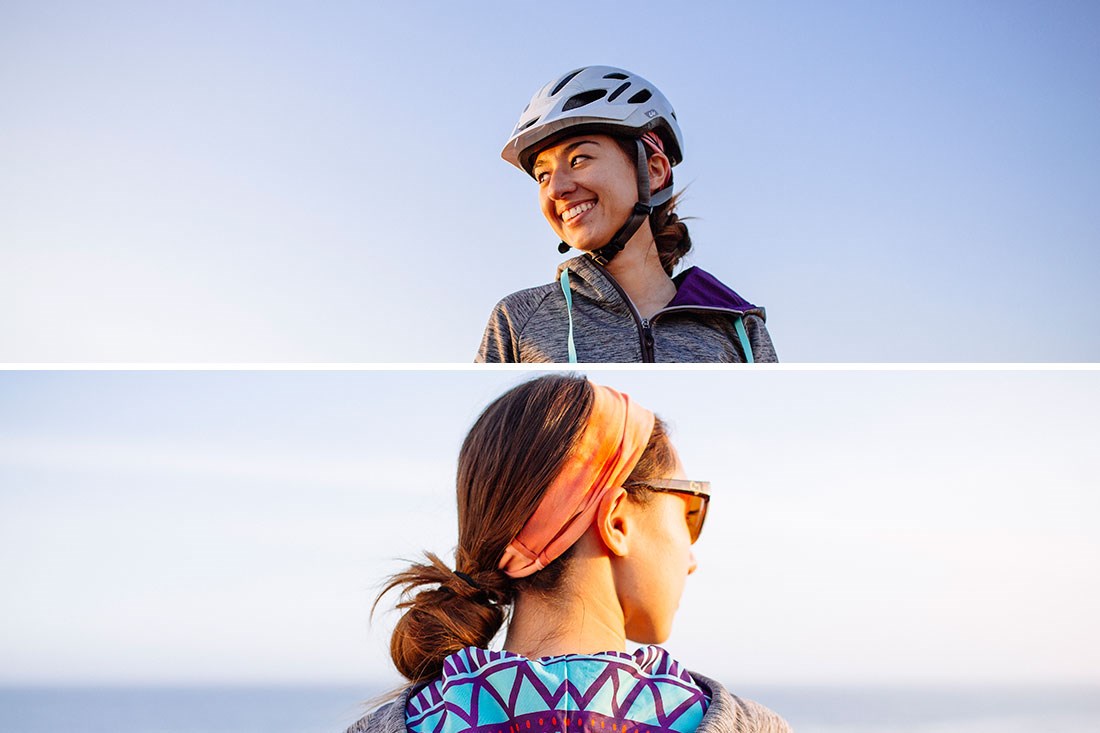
576,210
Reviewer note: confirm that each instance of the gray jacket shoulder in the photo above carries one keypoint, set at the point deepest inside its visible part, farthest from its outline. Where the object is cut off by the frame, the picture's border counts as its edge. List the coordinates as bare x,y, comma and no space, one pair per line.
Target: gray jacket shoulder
731,714
500,342
389,718
763,351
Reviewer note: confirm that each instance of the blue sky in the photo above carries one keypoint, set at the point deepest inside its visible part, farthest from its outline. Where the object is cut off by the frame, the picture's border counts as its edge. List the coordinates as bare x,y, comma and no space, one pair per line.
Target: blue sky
866,527
301,182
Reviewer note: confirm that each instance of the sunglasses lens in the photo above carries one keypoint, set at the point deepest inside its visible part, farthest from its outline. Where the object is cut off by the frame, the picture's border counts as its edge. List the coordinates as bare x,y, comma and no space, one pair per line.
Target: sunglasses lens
695,493
697,513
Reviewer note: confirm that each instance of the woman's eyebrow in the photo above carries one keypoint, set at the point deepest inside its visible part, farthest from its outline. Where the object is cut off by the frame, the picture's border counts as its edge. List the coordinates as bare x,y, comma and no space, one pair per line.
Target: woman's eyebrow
571,146
565,151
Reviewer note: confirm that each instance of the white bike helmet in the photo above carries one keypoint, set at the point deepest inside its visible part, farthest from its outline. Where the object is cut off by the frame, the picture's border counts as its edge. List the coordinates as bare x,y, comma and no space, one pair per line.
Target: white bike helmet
596,98
611,101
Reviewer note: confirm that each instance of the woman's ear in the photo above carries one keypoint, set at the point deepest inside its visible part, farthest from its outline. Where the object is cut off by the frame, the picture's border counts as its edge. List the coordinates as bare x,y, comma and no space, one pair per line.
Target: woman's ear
611,521
659,170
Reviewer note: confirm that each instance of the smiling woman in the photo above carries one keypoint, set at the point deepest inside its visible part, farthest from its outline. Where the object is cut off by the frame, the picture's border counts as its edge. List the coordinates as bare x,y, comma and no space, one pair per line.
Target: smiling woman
601,143
576,522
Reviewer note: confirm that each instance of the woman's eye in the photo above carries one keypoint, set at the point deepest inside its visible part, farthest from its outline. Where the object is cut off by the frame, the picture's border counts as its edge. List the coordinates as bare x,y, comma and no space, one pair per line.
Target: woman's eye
542,177
577,159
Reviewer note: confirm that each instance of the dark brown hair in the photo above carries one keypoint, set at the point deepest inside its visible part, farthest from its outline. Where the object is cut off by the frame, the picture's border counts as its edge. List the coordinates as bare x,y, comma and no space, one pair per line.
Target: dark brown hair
510,456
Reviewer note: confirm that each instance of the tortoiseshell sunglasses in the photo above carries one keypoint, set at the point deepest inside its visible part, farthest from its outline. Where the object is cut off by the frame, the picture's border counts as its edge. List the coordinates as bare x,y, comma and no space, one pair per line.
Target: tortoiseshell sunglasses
697,494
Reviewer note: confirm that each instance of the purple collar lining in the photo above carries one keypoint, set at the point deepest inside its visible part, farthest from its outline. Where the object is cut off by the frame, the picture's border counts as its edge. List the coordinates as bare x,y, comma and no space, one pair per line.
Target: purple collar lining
697,287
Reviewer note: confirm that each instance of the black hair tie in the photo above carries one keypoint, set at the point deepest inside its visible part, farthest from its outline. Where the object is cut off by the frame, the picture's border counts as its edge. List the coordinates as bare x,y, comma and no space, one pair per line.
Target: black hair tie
468,580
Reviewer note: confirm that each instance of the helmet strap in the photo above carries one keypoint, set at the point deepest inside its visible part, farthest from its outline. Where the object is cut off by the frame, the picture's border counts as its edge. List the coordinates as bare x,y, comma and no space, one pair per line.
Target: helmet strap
641,212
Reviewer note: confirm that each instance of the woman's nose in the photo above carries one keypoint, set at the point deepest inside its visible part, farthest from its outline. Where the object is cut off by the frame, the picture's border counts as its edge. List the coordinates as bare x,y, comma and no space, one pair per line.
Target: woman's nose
692,565
560,184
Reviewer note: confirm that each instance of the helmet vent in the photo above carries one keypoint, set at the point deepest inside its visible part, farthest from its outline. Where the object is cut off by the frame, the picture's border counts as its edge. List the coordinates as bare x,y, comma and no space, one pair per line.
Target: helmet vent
527,124
622,88
565,80
579,100
615,75
642,96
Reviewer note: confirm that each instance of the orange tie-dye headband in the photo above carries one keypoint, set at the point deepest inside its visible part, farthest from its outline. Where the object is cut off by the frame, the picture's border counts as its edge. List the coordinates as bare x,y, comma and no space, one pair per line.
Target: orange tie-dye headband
613,441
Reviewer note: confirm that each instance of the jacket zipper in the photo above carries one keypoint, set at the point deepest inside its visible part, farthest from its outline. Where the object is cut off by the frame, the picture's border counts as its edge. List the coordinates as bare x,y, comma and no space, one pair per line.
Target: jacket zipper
647,341
645,326
645,333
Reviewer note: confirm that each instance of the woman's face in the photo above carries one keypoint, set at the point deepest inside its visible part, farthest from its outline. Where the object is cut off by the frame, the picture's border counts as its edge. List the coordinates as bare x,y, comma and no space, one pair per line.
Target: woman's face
656,579
587,189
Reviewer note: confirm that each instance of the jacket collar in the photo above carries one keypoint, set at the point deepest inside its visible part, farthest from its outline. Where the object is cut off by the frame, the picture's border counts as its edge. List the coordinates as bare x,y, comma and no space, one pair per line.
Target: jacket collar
592,281
695,288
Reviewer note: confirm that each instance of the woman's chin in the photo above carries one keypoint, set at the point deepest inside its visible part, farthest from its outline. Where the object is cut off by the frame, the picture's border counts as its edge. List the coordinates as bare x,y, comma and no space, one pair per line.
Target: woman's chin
584,245
582,238
648,635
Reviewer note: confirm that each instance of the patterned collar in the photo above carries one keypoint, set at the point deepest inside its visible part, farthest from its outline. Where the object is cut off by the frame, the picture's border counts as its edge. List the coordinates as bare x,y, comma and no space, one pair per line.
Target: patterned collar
484,691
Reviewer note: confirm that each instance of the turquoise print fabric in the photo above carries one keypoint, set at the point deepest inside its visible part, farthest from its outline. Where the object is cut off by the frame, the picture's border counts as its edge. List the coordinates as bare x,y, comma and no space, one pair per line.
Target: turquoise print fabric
483,691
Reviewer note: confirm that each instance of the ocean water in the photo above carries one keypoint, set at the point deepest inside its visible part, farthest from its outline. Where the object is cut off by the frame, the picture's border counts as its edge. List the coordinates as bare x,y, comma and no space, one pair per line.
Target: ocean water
332,709
181,710
934,710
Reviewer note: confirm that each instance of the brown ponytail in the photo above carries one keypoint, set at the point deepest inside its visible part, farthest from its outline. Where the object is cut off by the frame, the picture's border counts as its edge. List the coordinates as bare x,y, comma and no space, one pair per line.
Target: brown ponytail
671,234
445,613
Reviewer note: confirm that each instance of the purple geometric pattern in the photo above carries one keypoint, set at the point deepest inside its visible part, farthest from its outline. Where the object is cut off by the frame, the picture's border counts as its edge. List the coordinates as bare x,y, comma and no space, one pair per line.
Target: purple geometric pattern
483,691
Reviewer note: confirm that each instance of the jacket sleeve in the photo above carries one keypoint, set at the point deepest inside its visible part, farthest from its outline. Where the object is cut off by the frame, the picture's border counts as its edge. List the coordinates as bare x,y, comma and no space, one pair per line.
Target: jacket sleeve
731,714
500,342
763,352
390,718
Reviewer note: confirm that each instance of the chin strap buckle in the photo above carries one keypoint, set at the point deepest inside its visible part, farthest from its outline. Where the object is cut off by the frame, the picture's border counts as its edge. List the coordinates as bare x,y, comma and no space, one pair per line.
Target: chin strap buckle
606,253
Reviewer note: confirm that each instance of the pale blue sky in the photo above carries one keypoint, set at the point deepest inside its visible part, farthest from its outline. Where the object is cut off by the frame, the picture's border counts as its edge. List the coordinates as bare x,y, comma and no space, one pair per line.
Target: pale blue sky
866,527
320,182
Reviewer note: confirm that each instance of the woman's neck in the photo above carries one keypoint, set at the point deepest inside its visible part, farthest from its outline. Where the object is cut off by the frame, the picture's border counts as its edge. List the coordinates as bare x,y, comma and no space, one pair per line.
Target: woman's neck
567,622
637,269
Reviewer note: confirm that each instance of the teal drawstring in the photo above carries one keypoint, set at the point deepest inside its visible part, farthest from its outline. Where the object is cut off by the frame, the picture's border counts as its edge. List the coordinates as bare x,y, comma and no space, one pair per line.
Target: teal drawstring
564,280
739,324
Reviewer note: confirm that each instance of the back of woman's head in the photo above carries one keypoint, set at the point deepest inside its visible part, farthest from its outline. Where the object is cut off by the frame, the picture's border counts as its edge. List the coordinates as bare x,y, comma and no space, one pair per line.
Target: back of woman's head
513,452
509,457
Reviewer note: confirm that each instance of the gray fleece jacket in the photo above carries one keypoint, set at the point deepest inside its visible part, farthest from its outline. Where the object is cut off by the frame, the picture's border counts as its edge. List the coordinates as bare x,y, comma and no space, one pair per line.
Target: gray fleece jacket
698,325
727,714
